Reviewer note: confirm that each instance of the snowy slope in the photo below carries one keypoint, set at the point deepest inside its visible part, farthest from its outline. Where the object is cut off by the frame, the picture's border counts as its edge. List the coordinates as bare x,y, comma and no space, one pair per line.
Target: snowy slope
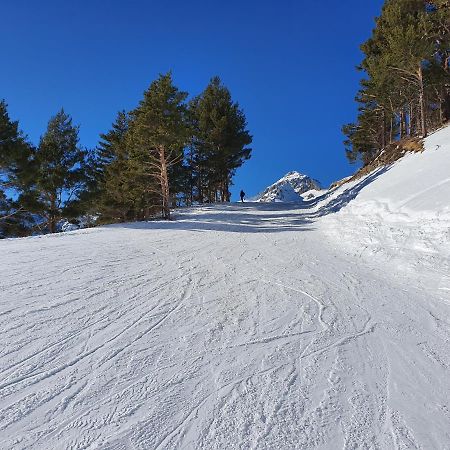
288,189
401,212
251,326
419,184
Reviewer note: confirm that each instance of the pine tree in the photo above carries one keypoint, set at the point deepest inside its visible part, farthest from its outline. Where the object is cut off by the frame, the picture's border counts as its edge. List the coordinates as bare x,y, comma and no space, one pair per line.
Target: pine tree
410,48
60,176
112,143
440,19
113,196
220,141
406,90
15,153
158,134
10,142
16,176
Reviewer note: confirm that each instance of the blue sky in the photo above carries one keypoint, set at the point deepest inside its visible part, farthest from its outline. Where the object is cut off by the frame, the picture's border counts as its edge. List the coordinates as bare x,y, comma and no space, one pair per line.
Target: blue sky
289,64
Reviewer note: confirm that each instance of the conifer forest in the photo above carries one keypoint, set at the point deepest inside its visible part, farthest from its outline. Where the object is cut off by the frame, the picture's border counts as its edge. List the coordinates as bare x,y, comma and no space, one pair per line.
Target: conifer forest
168,151
405,89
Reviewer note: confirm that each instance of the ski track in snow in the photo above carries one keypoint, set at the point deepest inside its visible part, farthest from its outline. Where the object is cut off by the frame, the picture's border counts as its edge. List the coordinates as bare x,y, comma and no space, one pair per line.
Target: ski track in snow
184,335
237,326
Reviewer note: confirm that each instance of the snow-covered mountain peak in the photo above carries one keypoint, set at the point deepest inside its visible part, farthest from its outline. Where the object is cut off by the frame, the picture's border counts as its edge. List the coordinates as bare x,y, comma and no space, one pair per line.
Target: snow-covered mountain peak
294,174
288,188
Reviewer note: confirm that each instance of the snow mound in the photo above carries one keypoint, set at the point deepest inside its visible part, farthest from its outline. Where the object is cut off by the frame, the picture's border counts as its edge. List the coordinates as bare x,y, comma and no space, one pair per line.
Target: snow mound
65,226
86,221
288,189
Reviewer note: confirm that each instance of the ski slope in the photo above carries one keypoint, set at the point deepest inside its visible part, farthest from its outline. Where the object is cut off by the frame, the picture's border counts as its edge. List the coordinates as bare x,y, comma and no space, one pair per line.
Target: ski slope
244,326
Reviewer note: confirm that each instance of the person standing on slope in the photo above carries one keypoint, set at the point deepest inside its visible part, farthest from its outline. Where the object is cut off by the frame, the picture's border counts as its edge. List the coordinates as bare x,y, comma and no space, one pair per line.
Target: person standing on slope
242,194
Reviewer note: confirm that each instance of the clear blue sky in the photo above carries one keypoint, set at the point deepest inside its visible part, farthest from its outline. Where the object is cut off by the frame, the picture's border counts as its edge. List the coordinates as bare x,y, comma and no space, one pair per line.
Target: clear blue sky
289,64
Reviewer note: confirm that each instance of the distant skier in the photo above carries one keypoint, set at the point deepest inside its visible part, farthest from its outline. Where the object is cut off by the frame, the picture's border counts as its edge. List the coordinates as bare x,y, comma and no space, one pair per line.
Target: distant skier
242,194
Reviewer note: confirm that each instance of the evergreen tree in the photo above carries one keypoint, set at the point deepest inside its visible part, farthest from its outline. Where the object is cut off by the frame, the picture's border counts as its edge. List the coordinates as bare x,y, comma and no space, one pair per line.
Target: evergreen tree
113,194
220,141
158,134
440,17
112,143
15,153
60,176
15,221
406,90
16,176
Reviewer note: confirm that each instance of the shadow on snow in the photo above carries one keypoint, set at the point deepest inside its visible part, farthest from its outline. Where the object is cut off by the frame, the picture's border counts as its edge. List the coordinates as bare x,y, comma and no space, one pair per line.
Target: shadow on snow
258,217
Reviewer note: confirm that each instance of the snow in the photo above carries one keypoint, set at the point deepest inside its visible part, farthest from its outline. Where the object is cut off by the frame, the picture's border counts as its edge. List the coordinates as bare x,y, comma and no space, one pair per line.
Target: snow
323,324
289,189
420,182
64,226
397,210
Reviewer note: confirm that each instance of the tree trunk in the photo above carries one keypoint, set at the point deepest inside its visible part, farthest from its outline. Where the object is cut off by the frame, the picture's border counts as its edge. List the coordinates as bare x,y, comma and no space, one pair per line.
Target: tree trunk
199,188
412,118
164,184
391,130
224,190
446,106
52,215
410,115
417,118
446,92
227,189
441,94
402,123
52,224
191,179
423,117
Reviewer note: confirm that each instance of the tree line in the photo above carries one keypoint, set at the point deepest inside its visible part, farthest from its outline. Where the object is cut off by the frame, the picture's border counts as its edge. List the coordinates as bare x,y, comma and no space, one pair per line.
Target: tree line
406,88
168,151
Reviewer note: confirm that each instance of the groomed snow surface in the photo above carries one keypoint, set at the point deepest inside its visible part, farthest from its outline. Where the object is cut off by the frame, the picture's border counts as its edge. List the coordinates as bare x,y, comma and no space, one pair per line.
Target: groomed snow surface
324,324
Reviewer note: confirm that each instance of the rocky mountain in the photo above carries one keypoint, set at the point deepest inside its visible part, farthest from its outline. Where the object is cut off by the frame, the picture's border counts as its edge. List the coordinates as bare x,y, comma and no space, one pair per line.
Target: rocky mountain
288,189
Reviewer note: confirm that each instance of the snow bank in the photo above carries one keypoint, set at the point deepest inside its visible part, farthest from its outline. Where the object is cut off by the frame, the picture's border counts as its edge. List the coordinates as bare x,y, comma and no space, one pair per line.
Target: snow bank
403,208
419,184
